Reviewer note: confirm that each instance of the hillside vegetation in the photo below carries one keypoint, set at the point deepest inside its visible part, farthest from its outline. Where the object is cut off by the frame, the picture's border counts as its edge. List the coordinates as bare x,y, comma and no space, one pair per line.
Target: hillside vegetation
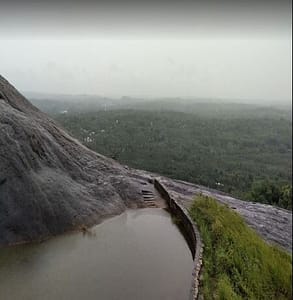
238,264
248,156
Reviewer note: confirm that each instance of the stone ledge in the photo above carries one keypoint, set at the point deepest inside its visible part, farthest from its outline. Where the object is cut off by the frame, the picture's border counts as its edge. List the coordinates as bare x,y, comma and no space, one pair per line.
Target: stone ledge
191,234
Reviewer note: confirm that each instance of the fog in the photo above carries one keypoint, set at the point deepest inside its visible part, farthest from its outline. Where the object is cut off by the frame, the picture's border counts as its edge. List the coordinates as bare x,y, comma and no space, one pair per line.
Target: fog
237,53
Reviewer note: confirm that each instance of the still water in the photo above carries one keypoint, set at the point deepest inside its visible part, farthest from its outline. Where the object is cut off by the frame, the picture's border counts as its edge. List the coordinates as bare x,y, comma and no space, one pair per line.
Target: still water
139,255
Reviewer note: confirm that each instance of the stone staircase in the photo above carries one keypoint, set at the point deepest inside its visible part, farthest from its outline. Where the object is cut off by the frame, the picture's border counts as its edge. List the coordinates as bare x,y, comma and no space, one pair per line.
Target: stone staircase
149,198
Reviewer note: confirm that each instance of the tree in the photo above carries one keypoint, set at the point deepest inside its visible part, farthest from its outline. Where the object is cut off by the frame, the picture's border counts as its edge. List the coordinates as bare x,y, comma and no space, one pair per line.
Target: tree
270,192
286,196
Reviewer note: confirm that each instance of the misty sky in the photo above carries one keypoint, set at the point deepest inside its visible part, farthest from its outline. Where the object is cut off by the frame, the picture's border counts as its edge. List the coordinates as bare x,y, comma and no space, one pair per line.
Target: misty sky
187,51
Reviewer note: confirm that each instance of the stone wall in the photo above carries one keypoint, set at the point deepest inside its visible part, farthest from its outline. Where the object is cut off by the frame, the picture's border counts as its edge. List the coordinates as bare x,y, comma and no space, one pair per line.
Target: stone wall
190,232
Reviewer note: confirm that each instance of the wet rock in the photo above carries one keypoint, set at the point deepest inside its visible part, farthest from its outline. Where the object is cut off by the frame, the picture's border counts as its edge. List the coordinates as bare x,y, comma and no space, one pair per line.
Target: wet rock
272,223
49,182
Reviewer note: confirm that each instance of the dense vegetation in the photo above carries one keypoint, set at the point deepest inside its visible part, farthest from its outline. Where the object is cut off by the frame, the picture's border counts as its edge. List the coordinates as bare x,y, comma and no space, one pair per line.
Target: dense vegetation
238,264
266,191
246,155
242,149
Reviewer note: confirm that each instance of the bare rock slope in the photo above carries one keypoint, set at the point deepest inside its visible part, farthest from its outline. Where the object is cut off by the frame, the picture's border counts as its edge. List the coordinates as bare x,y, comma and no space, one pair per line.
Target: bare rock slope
50,183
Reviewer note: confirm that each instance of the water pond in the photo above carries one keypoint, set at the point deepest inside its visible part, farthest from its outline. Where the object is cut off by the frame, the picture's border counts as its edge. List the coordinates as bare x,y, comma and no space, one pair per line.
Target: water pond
139,255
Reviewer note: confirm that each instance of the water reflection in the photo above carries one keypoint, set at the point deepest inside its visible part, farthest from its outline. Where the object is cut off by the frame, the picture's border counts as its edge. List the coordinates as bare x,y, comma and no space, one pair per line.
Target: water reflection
137,255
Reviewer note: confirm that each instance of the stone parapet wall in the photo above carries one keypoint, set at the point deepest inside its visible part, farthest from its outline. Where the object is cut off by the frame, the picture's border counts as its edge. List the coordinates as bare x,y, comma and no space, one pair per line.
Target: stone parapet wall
190,232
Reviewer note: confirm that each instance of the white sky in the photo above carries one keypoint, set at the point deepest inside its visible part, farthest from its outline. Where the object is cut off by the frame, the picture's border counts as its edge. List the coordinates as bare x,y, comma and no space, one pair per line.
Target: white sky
241,69
205,51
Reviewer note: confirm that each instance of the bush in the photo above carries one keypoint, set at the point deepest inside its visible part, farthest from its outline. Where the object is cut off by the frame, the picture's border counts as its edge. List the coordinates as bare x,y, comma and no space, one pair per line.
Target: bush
270,192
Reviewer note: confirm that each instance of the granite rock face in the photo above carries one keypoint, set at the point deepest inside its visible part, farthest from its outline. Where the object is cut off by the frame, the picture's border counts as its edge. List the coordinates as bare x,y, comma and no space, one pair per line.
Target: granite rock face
49,182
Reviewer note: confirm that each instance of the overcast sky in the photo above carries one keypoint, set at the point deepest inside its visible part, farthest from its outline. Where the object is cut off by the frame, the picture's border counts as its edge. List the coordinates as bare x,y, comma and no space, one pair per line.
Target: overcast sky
223,51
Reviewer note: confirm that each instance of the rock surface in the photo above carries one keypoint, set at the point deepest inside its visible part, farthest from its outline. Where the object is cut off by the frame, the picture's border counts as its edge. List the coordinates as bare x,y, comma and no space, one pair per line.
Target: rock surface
50,183
272,223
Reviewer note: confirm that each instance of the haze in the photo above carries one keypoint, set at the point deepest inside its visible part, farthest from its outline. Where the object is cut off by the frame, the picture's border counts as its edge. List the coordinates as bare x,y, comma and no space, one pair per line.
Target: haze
226,53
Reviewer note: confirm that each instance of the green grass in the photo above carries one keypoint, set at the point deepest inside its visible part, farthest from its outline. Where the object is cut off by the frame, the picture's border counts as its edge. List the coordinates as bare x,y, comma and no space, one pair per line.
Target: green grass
237,263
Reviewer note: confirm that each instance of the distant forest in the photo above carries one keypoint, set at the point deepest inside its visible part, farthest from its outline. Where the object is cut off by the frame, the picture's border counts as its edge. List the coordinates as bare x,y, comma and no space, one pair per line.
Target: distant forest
244,150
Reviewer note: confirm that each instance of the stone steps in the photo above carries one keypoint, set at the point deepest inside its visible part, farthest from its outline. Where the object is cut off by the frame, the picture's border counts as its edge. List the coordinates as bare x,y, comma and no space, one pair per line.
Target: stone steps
149,198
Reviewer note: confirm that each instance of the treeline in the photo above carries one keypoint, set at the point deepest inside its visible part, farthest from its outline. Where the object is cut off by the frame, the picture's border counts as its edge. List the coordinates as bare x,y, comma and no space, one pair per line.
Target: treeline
273,193
248,157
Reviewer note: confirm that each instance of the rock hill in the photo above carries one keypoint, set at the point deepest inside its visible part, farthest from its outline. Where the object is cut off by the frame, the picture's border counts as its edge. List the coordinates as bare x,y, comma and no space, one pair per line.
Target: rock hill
50,183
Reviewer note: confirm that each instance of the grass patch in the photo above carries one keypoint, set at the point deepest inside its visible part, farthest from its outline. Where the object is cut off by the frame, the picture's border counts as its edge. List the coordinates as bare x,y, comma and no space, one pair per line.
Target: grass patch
237,263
